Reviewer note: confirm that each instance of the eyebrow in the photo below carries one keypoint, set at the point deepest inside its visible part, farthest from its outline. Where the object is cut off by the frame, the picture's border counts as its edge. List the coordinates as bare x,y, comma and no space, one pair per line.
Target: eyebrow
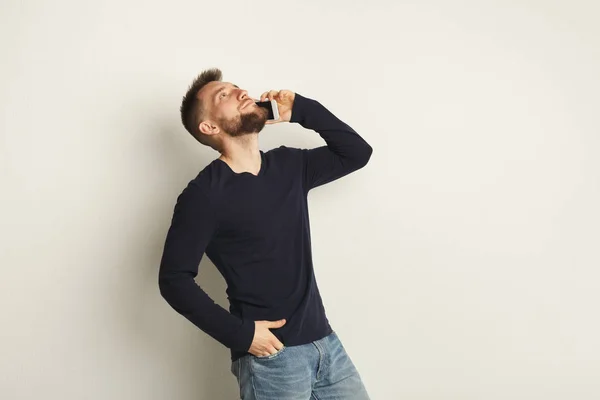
220,90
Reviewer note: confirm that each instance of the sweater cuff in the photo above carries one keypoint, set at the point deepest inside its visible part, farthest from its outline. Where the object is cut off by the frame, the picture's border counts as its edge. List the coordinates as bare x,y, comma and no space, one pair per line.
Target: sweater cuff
298,108
243,339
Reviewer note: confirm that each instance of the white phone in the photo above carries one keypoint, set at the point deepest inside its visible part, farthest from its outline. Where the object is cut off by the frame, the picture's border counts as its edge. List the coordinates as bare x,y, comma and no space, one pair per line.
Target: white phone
272,107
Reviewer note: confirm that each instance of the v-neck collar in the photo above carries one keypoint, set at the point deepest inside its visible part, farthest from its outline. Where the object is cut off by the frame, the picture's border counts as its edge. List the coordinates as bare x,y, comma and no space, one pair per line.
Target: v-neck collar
260,171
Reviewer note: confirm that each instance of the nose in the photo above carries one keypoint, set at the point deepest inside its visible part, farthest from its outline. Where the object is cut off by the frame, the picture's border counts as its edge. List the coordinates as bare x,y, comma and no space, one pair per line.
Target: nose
243,94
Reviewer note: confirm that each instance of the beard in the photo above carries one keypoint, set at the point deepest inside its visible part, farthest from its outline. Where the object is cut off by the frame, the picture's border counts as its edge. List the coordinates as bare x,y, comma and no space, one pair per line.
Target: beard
244,124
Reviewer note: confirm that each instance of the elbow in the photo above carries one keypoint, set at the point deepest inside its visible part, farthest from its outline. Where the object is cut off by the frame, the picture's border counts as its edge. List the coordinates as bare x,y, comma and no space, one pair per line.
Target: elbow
171,292
368,152
175,286
167,286
365,156
163,287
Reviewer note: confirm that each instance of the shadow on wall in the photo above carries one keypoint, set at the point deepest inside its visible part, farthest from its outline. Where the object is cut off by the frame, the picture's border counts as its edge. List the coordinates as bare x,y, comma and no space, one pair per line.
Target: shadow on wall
181,358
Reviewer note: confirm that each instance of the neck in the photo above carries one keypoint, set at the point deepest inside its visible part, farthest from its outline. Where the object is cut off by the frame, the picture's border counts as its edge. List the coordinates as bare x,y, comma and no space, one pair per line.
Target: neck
242,154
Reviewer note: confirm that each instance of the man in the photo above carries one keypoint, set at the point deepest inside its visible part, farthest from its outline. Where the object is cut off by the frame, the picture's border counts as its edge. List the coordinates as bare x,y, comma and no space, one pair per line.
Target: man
247,210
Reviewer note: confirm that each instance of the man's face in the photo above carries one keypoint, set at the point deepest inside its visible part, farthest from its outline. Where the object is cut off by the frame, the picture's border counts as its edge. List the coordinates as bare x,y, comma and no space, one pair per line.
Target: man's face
232,109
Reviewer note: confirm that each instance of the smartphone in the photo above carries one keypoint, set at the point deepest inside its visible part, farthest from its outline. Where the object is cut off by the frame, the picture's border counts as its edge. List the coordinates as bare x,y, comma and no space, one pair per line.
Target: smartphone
272,107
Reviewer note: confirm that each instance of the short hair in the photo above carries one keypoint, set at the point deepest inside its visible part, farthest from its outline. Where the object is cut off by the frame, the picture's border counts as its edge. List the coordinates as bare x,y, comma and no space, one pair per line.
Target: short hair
192,109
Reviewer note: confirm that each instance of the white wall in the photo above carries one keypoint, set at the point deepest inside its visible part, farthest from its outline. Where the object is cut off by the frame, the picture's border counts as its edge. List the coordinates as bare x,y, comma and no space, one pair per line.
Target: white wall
461,263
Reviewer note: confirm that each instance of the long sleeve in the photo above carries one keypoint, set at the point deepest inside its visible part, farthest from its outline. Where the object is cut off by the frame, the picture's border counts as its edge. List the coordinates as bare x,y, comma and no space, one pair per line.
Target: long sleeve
192,226
344,153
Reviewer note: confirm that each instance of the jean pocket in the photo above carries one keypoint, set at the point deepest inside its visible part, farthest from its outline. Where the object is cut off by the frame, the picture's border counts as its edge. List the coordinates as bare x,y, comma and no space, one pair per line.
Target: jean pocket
270,356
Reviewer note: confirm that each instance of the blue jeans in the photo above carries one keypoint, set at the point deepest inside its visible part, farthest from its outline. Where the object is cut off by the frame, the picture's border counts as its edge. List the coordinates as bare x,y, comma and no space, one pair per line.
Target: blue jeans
320,370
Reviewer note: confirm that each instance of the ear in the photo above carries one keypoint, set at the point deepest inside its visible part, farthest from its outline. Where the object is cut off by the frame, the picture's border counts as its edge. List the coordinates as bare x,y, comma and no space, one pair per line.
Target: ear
208,127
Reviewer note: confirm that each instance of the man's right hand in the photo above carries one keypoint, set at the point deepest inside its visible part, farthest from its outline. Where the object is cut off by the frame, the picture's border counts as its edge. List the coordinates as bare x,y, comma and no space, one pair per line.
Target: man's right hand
264,342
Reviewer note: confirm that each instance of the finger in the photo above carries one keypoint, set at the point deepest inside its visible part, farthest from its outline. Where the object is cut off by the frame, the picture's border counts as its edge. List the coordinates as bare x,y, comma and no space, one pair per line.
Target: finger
263,96
270,350
272,94
269,122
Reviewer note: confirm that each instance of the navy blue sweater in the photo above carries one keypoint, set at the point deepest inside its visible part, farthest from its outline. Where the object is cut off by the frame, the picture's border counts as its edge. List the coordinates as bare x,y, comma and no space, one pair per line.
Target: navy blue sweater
255,230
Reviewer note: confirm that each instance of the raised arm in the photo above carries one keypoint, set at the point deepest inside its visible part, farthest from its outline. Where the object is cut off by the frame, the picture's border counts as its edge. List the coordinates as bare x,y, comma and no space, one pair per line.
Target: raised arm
344,153
191,229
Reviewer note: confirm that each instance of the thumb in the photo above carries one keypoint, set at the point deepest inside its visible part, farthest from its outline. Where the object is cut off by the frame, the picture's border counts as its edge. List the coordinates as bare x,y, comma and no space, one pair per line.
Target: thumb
277,324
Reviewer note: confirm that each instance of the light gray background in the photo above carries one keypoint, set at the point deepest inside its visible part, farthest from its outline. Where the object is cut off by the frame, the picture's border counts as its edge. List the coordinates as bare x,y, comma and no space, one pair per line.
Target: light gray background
461,263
